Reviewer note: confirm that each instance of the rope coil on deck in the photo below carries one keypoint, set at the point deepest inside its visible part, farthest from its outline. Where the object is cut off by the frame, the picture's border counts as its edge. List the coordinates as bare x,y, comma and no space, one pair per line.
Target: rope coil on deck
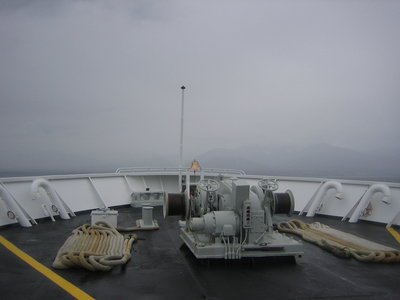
96,248
340,243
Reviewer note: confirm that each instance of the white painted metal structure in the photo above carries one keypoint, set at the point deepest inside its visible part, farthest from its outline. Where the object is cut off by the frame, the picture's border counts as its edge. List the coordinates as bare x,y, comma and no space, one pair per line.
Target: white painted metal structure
92,191
315,203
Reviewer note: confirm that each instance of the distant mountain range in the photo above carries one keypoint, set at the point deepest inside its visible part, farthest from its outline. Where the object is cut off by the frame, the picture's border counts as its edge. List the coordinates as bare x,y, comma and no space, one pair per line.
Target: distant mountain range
320,160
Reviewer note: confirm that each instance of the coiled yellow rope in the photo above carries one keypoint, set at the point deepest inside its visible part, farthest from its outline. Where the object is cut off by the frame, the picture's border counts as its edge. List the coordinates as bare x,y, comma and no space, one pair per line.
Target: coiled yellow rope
340,243
95,248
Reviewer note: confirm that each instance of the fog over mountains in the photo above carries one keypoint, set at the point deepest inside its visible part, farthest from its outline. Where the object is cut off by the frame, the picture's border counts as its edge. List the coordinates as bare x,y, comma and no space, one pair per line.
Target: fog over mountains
90,86
318,160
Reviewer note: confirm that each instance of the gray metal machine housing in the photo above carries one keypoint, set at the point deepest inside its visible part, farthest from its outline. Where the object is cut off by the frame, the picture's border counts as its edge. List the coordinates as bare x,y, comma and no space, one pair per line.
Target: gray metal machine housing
230,219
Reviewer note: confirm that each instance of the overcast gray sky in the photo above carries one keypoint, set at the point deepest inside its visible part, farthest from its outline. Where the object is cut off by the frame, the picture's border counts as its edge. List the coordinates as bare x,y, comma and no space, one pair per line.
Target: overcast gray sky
98,81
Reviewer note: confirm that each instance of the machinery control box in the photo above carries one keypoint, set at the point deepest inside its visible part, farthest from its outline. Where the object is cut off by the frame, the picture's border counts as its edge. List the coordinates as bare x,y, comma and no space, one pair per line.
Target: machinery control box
240,193
246,214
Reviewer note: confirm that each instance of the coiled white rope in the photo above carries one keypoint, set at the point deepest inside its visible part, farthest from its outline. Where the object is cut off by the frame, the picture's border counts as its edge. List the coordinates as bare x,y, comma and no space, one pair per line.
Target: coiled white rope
96,248
340,243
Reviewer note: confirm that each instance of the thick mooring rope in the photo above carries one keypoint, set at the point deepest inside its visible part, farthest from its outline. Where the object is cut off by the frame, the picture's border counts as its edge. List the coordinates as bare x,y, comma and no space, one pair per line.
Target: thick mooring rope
96,248
340,243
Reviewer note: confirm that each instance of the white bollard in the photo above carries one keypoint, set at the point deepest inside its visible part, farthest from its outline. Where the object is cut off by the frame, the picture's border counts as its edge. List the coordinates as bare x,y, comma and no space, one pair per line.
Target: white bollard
147,215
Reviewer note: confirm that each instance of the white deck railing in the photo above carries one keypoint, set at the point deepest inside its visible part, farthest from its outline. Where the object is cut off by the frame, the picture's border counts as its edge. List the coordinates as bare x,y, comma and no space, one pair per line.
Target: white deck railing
176,169
90,191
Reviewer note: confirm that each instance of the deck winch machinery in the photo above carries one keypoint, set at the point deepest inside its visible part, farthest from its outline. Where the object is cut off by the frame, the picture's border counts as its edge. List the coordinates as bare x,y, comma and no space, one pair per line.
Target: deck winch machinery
228,218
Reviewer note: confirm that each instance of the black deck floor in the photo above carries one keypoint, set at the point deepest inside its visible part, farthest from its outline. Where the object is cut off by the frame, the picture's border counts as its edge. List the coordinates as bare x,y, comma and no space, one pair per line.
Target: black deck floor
161,268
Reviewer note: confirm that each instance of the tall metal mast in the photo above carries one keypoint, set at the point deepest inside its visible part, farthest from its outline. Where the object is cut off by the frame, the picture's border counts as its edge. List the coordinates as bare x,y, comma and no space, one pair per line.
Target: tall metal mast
181,140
